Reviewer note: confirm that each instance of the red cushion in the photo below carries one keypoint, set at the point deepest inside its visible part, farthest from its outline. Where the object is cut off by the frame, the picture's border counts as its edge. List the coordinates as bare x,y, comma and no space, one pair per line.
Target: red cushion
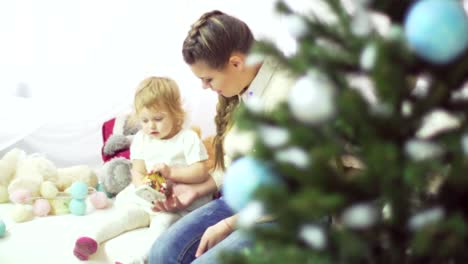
107,130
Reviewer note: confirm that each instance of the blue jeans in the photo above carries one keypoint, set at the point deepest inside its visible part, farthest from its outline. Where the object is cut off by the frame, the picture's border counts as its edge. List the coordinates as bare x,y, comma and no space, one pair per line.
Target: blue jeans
180,242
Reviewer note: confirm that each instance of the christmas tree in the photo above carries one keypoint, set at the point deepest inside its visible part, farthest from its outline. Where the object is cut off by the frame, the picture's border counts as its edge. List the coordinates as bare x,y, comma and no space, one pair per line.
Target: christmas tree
367,161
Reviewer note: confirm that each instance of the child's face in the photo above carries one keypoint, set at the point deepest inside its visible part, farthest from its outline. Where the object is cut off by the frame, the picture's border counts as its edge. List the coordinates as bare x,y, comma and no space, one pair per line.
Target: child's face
157,124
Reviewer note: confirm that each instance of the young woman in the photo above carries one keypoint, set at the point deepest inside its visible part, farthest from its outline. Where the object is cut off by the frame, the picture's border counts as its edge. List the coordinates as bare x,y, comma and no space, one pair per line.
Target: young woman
216,50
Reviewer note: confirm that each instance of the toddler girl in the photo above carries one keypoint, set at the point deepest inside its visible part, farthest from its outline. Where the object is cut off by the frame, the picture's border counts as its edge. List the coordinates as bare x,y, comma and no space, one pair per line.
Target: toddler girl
162,145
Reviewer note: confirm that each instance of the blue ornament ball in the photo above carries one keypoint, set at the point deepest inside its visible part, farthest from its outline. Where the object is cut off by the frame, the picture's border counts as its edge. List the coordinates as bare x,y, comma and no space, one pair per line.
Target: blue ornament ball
242,179
77,207
2,228
79,190
437,30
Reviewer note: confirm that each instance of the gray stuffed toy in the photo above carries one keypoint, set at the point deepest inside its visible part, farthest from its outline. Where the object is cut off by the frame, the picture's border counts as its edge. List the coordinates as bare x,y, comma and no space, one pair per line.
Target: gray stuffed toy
115,174
122,135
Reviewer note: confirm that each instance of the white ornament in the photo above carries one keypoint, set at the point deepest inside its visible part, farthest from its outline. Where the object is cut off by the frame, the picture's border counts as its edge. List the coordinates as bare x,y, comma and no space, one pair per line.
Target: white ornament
360,216
422,86
461,94
383,109
406,108
255,104
420,150
364,86
312,99
352,5
250,214
329,45
295,25
274,136
240,142
381,23
318,9
314,236
364,20
387,211
293,155
361,25
368,57
254,59
437,121
464,142
426,217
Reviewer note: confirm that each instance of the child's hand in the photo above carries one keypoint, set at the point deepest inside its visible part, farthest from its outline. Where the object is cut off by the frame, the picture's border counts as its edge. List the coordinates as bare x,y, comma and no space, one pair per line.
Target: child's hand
163,169
137,178
147,181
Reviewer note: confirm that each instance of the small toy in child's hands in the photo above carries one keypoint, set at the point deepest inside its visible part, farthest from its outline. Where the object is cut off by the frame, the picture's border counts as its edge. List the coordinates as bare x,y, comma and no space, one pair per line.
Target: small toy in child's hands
156,181
156,188
148,194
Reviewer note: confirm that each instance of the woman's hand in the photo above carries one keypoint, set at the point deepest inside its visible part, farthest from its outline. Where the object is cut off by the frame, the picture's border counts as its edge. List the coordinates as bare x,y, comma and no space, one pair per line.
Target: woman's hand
213,235
182,196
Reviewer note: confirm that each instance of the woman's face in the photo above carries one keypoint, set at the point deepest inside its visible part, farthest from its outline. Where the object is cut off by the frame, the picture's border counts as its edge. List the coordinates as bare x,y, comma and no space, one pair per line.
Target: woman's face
227,82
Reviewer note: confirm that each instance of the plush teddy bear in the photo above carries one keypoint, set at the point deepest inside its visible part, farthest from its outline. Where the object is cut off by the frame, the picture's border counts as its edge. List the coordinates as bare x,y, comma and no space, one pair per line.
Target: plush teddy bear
35,176
36,186
8,165
31,172
117,135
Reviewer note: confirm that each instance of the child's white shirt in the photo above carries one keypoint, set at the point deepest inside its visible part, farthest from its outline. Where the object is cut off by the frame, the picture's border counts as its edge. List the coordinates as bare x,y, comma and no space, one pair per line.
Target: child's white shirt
183,149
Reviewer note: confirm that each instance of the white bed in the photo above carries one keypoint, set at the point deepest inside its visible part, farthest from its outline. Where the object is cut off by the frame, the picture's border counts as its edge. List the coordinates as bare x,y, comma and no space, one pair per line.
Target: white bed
51,239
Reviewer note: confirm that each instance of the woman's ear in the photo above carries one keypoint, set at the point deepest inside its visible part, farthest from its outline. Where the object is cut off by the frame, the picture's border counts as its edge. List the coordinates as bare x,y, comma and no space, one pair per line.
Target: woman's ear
237,61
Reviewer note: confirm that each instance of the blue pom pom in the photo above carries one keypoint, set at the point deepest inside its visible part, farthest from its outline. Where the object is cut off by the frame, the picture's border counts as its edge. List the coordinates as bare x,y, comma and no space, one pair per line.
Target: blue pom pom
437,30
77,207
2,228
79,190
242,179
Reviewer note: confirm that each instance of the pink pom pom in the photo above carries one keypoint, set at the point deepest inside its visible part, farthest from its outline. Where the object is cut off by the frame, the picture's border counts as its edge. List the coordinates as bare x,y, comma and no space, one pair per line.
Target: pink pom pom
41,207
21,196
99,200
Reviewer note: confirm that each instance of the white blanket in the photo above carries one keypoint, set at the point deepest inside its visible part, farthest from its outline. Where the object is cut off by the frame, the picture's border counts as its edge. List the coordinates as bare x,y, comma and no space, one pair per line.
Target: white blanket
51,239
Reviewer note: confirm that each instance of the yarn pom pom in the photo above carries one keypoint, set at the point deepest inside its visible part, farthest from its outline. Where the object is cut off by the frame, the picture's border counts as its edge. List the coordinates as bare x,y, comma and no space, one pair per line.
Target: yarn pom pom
79,190
99,200
2,228
20,196
22,213
41,207
49,190
77,207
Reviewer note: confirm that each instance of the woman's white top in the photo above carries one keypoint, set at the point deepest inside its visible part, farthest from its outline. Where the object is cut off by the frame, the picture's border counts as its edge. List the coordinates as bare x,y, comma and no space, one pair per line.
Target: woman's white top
269,88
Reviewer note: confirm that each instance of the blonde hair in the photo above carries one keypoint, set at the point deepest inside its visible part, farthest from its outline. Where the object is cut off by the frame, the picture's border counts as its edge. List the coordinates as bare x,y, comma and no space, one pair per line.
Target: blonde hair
212,39
160,93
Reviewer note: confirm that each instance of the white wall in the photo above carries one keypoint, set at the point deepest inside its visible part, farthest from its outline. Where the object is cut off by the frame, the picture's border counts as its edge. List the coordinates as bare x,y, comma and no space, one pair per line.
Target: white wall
78,63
